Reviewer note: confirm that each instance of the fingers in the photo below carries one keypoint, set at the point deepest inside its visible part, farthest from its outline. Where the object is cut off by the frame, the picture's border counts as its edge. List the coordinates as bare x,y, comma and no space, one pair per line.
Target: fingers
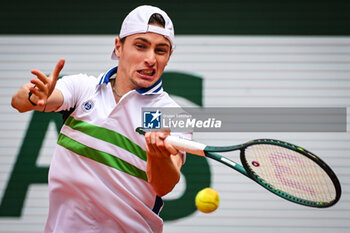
40,97
164,133
53,77
38,83
40,75
56,72
40,88
43,85
157,146
172,150
58,68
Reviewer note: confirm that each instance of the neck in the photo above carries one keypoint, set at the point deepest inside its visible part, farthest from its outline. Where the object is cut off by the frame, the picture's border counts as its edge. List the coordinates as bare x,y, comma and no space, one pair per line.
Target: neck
114,88
123,84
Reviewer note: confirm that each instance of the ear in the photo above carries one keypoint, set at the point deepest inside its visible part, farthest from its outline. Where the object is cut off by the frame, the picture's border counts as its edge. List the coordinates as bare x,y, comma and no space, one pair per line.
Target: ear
117,47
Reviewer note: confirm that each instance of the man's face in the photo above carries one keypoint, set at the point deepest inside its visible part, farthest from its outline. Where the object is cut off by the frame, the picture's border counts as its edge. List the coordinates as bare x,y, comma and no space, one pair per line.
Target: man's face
142,59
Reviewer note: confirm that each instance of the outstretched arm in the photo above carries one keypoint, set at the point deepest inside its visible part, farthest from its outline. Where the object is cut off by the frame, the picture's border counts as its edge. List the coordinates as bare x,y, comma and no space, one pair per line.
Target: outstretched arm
44,96
163,163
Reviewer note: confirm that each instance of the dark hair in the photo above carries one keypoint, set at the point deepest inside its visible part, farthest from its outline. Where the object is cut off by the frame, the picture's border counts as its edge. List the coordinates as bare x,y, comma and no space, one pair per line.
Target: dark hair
156,19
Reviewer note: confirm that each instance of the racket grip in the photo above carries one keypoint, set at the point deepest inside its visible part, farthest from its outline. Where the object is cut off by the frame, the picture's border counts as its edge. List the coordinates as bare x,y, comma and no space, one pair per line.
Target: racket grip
186,145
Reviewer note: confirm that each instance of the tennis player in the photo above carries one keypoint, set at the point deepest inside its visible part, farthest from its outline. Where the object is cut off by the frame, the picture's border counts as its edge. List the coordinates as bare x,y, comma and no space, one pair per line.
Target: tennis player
105,177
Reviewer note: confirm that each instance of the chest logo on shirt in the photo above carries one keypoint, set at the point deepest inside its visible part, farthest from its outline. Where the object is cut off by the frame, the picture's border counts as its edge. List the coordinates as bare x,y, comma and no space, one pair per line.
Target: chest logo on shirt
88,105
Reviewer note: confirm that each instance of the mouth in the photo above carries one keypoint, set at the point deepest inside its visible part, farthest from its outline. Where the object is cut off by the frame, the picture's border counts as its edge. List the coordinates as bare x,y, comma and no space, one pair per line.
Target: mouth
147,73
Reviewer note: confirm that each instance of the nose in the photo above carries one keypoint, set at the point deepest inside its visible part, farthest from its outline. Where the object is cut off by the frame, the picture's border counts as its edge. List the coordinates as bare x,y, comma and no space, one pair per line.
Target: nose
150,59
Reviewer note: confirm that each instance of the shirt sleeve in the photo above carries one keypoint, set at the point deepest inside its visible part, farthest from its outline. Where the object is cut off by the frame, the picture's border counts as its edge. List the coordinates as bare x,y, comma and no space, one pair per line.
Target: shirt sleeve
73,88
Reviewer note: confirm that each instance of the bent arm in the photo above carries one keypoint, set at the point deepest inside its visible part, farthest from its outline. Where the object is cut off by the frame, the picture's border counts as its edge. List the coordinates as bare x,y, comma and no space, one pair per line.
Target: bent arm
163,163
40,94
21,103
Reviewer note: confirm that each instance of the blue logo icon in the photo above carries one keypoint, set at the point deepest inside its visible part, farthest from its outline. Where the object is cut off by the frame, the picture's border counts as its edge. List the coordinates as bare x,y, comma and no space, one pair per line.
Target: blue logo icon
88,105
152,119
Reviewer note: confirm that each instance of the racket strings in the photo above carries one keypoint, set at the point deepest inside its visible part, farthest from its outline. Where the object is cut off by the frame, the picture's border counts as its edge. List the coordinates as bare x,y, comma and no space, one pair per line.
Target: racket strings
290,172
284,172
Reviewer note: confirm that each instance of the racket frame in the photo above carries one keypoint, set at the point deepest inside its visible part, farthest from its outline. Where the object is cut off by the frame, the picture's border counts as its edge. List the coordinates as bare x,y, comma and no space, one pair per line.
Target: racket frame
244,169
251,174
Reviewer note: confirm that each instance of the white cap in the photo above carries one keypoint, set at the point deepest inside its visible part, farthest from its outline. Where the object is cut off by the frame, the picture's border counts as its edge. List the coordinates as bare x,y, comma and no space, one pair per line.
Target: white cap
137,22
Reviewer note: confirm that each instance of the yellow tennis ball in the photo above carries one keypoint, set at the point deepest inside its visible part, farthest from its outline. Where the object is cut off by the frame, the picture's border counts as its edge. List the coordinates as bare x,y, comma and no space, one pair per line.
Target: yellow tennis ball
207,200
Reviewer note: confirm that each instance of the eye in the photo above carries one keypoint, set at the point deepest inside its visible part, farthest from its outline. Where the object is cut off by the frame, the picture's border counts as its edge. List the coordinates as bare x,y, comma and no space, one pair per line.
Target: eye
161,50
140,46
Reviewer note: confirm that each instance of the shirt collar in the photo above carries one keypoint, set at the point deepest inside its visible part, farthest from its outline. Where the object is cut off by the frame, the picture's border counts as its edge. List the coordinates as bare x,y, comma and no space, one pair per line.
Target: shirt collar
156,88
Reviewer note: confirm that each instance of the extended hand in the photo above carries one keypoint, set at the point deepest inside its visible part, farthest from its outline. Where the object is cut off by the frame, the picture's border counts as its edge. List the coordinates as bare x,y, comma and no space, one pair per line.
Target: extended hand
44,85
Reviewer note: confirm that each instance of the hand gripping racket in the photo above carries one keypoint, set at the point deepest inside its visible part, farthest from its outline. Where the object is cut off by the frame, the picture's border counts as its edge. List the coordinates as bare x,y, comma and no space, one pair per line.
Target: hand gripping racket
286,170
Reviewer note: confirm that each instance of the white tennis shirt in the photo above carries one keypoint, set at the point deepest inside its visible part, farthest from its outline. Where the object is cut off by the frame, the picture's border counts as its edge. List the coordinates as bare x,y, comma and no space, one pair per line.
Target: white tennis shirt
97,178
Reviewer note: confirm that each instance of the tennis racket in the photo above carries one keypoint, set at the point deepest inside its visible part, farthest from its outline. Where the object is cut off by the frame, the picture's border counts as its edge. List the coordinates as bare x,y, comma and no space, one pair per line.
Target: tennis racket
286,170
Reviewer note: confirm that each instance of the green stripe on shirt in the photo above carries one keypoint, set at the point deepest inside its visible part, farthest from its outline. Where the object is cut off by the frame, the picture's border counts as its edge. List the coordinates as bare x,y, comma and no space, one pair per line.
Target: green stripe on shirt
100,156
106,135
